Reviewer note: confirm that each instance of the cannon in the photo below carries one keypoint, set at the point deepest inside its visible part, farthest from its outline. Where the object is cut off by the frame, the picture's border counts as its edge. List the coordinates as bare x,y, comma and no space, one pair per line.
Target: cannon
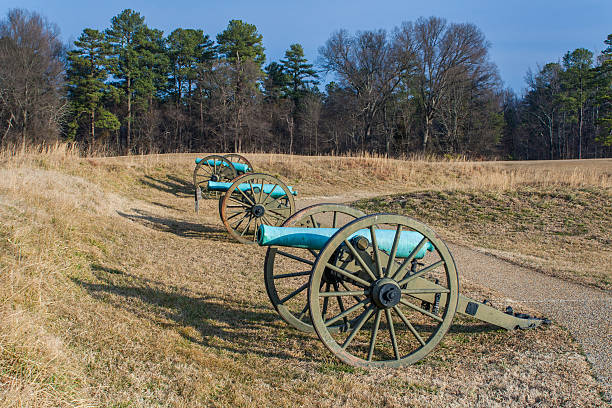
250,200
219,168
380,290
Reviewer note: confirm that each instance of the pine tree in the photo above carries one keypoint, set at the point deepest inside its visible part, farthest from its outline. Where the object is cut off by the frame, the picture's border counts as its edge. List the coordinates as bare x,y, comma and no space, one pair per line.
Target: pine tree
300,73
240,41
86,77
276,82
124,35
187,49
604,97
577,82
241,46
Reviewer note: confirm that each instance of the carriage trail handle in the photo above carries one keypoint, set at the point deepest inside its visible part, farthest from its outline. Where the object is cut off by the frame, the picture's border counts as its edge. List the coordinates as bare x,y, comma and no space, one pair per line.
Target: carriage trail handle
274,190
240,167
316,238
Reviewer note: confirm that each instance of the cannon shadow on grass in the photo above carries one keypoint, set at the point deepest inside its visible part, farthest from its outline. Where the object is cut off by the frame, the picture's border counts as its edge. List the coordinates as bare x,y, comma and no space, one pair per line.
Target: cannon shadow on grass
177,227
221,323
171,184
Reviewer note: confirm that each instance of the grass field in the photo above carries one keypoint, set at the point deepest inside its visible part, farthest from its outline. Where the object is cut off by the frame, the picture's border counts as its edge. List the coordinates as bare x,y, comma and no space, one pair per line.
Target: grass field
115,294
563,231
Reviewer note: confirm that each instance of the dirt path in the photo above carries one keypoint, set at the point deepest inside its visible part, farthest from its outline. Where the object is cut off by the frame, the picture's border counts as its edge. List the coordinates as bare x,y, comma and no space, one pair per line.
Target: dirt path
584,311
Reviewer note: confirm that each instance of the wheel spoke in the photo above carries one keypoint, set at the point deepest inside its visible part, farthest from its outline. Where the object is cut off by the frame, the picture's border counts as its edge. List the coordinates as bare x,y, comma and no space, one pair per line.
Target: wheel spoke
340,304
418,309
346,312
393,252
342,293
364,317
242,203
347,274
314,223
335,219
279,211
291,275
251,186
359,259
325,302
303,312
267,220
292,294
421,272
295,257
269,194
235,214
400,272
392,333
373,335
260,191
239,222
276,215
376,252
255,228
244,195
410,326
247,226
423,291
346,287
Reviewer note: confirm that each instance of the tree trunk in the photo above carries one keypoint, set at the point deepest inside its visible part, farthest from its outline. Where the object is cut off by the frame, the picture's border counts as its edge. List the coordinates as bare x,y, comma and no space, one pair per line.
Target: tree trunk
426,135
129,114
93,126
580,133
290,123
24,130
201,117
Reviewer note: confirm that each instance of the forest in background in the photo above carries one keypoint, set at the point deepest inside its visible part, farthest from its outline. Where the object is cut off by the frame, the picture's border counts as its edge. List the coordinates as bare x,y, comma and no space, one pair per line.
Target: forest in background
426,86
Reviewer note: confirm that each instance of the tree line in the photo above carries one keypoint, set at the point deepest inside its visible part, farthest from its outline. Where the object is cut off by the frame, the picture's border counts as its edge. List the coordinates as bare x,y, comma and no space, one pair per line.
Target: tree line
425,86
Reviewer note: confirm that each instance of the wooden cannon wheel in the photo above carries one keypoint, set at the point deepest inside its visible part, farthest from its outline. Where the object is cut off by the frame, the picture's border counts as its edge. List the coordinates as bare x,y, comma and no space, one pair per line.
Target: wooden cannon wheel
242,212
238,158
287,270
221,170
391,326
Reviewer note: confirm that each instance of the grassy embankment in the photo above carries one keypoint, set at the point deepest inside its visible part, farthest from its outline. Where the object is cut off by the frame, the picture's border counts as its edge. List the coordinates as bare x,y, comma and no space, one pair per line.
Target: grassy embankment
115,294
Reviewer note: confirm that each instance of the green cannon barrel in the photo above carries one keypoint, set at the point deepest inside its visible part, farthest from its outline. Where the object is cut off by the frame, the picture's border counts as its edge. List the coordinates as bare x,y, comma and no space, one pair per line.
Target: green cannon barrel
240,167
274,190
316,238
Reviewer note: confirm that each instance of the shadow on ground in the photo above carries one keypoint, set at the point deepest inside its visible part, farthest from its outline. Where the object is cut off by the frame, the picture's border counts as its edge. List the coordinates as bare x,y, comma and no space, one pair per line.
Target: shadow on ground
222,323
181,228
171,184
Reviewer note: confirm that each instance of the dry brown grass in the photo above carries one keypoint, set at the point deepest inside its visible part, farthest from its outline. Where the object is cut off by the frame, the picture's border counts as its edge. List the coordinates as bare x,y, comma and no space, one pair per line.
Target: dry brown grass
113,293
562,231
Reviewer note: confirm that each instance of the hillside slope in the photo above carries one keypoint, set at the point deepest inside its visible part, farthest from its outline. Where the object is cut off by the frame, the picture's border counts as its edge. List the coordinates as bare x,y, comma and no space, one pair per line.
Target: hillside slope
114,293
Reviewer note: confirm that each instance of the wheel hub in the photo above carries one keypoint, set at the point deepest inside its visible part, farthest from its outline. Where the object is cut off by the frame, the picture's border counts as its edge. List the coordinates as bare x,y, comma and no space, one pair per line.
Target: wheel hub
214,177
258,210
386,293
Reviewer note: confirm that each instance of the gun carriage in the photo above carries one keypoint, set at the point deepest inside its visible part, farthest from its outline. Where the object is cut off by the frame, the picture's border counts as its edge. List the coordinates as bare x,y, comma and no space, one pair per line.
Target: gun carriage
379,290
219,168
247,199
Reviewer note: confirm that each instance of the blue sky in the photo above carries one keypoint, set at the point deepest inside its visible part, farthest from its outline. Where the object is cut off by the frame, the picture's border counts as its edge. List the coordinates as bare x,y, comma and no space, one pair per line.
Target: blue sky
522,33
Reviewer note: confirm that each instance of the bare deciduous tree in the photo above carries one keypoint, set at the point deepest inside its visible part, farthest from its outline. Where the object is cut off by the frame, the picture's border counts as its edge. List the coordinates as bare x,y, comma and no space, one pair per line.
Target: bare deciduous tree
365,63
31,78
444,54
